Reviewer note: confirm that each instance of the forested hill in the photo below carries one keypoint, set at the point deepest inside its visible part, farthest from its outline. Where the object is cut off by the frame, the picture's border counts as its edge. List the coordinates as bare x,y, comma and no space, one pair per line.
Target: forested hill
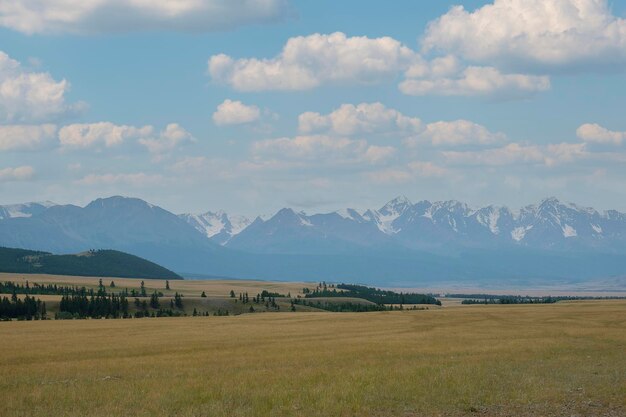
95,263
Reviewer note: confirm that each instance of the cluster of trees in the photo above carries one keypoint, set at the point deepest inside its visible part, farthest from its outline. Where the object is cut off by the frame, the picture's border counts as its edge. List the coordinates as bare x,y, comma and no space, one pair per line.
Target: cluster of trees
516,299
264,297
219,312
348,307
98,305
10,287
374,295
27,309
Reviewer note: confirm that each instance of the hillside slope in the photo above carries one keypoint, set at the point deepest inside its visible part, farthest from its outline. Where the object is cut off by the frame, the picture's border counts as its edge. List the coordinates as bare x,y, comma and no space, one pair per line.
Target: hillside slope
100,263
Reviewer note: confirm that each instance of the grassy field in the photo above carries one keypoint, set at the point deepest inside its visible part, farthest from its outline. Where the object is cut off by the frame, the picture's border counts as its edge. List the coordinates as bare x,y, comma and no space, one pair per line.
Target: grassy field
565,359
218,288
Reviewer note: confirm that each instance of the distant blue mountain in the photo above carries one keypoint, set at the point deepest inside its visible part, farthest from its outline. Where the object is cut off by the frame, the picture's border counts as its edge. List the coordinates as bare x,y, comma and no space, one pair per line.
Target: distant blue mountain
399,244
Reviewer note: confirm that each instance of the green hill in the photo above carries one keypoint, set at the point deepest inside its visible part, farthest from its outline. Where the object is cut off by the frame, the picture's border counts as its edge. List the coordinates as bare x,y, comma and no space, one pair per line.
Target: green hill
95,263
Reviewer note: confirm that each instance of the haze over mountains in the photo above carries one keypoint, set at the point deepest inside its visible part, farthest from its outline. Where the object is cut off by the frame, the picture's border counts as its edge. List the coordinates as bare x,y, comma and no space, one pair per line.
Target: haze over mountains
399,244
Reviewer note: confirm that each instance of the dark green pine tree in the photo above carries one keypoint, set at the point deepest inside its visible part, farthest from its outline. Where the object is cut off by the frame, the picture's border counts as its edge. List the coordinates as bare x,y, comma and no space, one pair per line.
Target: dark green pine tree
203,295
167,285
154,300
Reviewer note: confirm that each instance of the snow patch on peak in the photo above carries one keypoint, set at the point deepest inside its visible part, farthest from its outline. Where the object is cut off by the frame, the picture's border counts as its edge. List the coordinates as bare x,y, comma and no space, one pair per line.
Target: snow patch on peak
349,214
519,233
569,231
494,216
596,228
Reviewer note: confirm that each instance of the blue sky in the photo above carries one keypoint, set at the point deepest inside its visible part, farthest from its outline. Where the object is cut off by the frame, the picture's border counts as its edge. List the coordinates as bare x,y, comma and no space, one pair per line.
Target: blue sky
369,101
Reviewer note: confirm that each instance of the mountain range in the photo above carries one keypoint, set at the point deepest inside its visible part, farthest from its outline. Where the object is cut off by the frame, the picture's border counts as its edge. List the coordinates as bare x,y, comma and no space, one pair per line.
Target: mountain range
401,243
424,225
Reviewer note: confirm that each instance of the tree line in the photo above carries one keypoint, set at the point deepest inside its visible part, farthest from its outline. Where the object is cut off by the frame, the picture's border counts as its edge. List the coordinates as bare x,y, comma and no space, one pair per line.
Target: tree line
516,299
374,295
27,309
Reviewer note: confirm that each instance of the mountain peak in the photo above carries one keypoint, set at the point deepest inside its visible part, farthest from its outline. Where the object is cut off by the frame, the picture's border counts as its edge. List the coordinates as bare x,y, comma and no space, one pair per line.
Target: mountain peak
118,201
550,201
396,206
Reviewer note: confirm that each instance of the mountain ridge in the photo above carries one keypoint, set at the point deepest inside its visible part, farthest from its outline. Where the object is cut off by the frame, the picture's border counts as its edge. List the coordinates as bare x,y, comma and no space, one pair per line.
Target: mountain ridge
402,243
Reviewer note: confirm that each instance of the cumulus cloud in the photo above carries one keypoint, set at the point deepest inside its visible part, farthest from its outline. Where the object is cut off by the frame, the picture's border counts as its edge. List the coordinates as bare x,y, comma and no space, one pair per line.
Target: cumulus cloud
515,153
167,140
594,133
539,34
103,133
235,113
100,16
109,135
376,154
460,132
349,119
375,118
321,148
26,137
22,173
474,81
309,61
27,96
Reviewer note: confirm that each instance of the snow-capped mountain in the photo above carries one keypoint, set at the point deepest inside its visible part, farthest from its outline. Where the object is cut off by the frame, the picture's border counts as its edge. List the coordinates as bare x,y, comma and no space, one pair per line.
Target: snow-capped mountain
218,226
24,210
400,243
401,223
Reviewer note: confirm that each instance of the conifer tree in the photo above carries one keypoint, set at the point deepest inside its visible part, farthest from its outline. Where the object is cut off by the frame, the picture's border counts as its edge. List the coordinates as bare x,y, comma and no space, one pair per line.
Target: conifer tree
154,300
167,284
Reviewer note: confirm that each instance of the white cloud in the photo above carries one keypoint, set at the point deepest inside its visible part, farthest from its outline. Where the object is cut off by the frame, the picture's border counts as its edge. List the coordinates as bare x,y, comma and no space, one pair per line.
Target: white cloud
235,112
27,96
309,61
474,81
460,132
22,173
109,135
25,137
102,133
515,153
170,138
376,154
136,179
102,16
362,118
319,149
371,118
594,133
540,34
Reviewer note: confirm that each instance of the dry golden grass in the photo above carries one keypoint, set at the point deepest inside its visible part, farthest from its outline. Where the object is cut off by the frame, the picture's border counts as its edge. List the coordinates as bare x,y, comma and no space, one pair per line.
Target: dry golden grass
561,360
215,288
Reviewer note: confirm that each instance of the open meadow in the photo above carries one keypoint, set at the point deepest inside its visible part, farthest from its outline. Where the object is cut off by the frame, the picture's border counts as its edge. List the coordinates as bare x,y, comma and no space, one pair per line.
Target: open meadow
564,359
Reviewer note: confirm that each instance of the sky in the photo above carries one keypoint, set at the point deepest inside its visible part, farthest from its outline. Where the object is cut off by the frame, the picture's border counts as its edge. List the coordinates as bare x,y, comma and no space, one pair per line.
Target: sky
254,105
